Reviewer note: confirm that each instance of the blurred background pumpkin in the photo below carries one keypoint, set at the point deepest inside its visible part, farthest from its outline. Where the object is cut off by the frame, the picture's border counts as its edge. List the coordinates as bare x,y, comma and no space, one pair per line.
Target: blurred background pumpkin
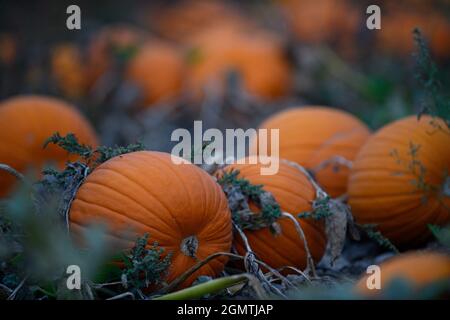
26,122
322,139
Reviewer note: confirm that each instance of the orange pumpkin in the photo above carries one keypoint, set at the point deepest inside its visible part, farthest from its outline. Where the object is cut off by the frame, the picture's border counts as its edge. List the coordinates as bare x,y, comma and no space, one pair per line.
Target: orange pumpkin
25,124
311,135
107,44
257,57
158,70
8,49
68,70
419,269
395,35
294,193
186,18
145,192
324,21
400,180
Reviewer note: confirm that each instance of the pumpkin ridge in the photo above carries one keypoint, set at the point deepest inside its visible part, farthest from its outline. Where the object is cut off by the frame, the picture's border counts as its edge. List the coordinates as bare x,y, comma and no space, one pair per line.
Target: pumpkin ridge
399,170
314,226
305,146
383,218
211,239
290,192
304,187
108,233
263,243
402,179
203,202
334,139
444,213
205,232
197,171
430,160
117,213
282,174
404,227
402,211
175,173
304,224
415,192
148,192
25,155
153,213
287,235
207,235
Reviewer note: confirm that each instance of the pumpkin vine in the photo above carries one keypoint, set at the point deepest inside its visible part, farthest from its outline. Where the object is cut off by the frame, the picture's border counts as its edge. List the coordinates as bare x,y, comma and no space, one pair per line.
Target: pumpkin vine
90,155
336,214
60,186
240,192
436,104
63,185
320,210
372,233
71,144
416,168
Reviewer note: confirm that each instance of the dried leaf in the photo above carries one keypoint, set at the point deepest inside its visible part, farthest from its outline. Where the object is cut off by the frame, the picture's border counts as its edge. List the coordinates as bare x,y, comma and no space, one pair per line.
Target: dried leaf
336,226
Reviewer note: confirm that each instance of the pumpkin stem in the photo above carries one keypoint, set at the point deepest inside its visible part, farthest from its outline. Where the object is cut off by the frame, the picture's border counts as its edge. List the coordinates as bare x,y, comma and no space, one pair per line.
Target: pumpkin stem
216,285
446,187
12,171
189,246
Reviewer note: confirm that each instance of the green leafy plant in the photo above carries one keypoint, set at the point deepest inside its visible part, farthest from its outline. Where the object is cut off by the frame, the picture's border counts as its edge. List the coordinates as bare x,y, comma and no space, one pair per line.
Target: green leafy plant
377,236
321,210
144,266
442,234
240,192
96,156
436,103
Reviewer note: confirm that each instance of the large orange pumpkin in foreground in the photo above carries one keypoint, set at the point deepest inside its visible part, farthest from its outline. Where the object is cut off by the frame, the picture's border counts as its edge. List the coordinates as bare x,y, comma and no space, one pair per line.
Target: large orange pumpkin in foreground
419,269
181,207
257,57
158,70
311,135
26,122
400,179
294,193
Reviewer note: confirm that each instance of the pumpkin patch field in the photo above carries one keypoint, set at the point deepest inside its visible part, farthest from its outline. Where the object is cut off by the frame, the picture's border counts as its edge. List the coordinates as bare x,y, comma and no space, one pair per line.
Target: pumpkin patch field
224,150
